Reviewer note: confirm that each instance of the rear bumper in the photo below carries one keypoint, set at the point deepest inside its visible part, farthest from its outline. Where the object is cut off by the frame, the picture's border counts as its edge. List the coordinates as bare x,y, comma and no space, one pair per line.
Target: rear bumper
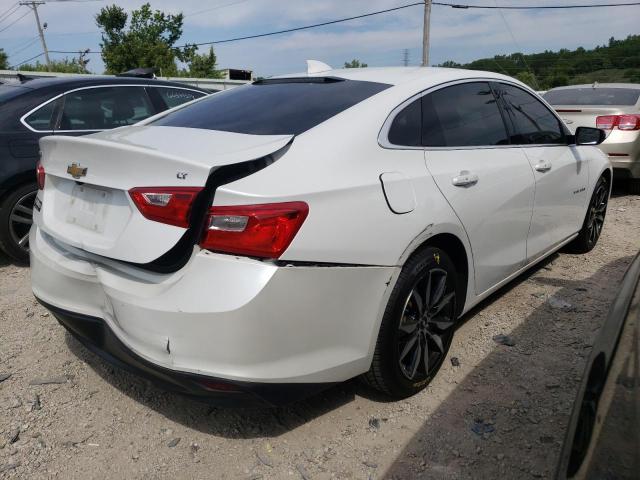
623,150
234,319
96,335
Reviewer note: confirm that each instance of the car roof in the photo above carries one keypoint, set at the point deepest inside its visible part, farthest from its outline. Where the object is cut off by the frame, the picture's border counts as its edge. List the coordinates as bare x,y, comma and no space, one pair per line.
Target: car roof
635,86
91,80
405,75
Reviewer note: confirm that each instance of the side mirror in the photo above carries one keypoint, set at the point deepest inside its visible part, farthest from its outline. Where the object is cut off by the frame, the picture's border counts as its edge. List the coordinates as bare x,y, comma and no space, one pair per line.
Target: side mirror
589,136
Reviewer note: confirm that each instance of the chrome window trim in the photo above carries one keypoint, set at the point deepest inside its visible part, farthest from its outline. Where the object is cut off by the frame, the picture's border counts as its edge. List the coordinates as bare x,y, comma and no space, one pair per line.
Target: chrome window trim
383,135
53,99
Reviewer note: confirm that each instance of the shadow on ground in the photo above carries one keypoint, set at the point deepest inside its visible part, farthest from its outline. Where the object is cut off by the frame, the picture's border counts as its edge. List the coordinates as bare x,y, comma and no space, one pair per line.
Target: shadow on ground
513,407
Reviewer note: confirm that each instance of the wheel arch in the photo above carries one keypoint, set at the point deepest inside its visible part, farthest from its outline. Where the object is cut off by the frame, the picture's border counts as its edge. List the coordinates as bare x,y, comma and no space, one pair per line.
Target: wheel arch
15,182
456,249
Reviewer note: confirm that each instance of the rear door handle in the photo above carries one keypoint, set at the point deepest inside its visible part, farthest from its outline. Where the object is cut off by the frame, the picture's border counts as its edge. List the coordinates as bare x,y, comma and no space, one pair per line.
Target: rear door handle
543,166
465,179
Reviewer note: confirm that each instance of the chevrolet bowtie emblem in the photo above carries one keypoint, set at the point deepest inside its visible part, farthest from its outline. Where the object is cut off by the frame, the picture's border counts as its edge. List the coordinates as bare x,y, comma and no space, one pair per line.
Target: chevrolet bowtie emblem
76,171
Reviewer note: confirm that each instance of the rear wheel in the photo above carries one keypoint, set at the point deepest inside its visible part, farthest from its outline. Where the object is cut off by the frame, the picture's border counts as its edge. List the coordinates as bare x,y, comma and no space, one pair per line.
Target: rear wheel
417,327
16,217
594,219
634,186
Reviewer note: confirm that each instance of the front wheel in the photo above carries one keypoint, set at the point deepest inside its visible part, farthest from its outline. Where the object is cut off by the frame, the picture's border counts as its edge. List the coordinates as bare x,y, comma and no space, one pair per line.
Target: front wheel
594,219
417,326
16,217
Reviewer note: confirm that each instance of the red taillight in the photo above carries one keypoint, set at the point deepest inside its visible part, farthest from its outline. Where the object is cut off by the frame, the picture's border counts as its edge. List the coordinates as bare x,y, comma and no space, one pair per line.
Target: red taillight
629,122
40,175
170,205
623,122
254,230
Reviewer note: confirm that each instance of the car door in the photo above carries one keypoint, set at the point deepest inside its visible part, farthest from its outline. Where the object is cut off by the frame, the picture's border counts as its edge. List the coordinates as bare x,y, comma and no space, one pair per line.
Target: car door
93,109
487,181
561,174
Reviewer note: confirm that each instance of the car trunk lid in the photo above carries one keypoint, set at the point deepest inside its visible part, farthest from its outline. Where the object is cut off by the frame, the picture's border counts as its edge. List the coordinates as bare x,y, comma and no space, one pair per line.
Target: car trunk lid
87,203
579,116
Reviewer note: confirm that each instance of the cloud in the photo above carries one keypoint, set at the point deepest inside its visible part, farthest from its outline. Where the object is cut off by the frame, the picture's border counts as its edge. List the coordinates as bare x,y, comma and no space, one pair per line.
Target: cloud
460,35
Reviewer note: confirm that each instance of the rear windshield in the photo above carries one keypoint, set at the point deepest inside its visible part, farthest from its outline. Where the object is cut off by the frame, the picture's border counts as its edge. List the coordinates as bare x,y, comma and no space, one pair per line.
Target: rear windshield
273,107
593,96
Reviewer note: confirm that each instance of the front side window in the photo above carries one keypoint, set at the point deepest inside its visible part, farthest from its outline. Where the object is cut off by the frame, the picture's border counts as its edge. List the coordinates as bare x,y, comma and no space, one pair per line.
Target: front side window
531,119
172,97
287,106
41,119
462,115
104,108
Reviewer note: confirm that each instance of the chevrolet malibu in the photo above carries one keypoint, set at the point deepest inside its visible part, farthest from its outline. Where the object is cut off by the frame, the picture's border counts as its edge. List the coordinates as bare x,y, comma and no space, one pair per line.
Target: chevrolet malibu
271,240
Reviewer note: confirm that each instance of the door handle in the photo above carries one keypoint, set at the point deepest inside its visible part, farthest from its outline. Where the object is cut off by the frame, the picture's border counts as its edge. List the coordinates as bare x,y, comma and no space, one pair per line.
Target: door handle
465,179
543,166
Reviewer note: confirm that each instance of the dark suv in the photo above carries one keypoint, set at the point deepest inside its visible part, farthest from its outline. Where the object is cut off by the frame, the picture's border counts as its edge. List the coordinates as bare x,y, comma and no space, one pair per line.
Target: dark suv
64,106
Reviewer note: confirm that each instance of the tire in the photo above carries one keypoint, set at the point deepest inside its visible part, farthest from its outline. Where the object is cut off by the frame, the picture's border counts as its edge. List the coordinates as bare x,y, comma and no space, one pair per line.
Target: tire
16,217
634,186
406,328
593,220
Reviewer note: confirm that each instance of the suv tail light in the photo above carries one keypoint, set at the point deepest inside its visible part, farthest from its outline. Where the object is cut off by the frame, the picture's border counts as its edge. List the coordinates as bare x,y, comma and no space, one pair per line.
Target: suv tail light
170,205
254,230
40,175
623,122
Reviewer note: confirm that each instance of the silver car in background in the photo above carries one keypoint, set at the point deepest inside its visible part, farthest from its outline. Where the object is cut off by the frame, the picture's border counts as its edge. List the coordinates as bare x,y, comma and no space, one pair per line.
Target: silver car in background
613,107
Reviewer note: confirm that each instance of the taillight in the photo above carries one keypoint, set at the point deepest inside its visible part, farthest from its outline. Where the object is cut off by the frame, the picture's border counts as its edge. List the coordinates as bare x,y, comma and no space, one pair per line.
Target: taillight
40,174
254,230
629,122
623,122
170,205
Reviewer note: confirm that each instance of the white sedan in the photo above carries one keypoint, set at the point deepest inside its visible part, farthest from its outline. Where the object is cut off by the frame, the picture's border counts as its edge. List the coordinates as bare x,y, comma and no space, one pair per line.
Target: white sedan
271,240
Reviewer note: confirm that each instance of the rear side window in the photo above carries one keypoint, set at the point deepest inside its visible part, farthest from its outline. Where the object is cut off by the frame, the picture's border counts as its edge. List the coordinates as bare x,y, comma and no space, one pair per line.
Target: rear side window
593,96
532,120
104,108
406,128
41,119
273,107
172,97
462,116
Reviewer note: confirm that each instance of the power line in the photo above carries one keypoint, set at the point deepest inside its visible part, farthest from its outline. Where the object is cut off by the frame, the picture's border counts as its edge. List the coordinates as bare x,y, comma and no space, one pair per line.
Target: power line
24,46
533,7
27,60
379,12
10,11
14,22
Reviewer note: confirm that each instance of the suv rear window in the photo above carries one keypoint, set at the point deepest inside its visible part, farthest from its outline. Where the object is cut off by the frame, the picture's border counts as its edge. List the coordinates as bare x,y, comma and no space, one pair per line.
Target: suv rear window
287,106
592,96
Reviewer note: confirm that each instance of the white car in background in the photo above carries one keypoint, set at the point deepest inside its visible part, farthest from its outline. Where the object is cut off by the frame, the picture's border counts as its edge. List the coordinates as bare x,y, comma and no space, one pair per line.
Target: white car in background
271,240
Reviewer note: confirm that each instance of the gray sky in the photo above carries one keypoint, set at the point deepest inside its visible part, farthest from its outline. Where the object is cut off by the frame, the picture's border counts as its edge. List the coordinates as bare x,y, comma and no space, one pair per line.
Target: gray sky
457,34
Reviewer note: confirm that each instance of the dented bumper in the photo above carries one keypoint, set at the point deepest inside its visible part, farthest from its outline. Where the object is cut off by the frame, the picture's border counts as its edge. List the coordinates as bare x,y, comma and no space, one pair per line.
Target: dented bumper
230,318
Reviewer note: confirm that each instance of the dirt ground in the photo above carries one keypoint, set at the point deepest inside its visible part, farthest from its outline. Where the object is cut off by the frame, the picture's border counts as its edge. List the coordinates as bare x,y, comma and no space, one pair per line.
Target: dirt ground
499,413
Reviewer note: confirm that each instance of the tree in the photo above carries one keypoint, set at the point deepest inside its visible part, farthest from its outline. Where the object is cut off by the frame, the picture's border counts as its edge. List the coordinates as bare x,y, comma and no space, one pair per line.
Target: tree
528,78
66,65
203,65
4,65
148,41
355,64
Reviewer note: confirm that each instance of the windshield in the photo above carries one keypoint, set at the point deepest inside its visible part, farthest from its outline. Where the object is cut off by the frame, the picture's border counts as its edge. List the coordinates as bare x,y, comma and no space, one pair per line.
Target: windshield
592,96
287,106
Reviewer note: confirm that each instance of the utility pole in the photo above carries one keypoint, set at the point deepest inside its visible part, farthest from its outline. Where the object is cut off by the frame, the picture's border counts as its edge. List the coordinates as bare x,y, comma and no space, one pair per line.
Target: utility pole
425,33
405,57
33,4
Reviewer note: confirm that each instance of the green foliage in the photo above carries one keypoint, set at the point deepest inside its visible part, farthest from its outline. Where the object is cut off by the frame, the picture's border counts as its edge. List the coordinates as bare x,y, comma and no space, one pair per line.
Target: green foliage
202,66
355,63
60,66
4,65
618,61
148,41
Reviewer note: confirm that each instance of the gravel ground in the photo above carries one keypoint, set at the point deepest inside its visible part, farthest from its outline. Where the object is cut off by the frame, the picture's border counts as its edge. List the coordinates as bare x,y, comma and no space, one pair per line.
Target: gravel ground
493,410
